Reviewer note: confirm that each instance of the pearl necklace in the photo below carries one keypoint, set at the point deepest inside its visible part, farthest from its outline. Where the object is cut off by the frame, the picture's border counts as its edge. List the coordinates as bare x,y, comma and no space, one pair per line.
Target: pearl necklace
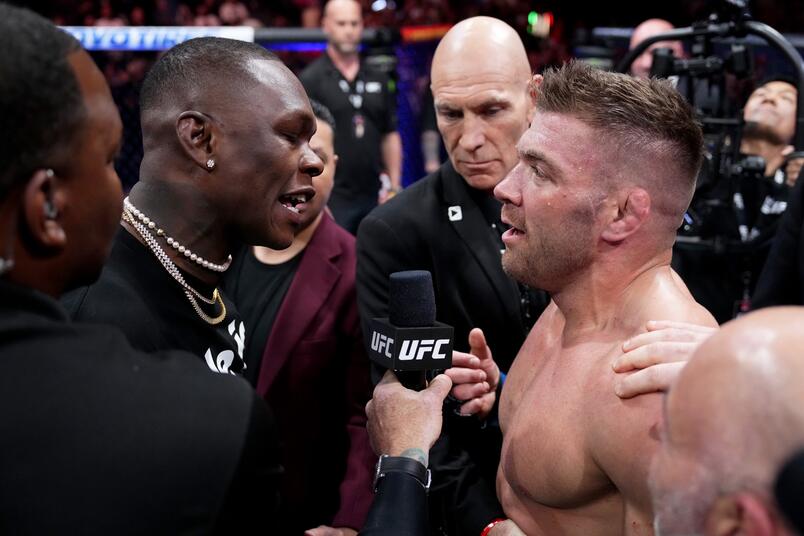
151,225
173,270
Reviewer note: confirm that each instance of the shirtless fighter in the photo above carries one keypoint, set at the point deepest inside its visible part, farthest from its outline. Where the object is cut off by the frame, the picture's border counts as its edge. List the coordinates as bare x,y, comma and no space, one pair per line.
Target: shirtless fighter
606,171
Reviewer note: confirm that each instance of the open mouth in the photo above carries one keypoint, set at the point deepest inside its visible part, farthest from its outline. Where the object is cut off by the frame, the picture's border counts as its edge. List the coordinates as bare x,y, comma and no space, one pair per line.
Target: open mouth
295,202
512,232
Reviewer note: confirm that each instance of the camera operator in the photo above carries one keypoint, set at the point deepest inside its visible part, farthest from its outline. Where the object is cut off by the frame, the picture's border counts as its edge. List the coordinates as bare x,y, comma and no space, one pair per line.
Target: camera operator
770,122
781,280
743,225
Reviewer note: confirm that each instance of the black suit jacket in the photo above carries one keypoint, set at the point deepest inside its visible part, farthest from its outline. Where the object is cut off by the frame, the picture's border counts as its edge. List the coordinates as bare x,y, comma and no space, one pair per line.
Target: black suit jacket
437,225
97,438
782,278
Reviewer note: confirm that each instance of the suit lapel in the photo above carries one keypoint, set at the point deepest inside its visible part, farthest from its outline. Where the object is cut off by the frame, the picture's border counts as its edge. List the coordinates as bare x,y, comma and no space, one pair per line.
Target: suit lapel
312,284
473,229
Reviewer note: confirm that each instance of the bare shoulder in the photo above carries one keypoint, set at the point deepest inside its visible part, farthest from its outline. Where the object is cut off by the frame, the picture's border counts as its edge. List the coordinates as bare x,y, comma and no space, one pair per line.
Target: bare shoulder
664,296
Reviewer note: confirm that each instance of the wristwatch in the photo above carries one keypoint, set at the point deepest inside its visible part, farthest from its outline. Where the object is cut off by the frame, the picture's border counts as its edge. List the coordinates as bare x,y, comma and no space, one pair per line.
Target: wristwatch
401,464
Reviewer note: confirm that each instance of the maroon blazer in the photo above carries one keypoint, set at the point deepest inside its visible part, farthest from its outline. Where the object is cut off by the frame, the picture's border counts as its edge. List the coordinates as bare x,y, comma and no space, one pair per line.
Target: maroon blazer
315,376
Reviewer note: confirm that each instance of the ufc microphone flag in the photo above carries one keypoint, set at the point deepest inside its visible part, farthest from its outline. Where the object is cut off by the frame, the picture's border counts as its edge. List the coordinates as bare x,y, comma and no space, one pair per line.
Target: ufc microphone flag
411,339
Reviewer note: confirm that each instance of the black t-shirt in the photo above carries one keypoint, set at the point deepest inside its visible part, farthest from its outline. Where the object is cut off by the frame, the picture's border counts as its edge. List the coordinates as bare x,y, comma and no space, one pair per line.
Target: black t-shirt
136,294
358,129
258,289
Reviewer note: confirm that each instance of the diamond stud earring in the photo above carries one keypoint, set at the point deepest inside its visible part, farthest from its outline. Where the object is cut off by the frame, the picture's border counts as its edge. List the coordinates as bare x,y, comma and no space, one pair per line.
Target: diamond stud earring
210,164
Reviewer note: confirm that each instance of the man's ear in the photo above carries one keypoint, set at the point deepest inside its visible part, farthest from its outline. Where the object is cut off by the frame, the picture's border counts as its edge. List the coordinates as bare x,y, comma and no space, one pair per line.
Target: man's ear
740,514
633,207
533,90
42,212
198,137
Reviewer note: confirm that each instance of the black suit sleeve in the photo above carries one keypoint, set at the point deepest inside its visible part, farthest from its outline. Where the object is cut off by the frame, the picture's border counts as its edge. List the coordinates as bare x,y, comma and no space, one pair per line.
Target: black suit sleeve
399,508
779,283
253,495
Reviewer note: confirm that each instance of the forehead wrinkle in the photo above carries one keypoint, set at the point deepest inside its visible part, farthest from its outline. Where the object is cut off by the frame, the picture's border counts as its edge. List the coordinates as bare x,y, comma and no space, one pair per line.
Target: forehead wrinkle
475,101
463,81
460,96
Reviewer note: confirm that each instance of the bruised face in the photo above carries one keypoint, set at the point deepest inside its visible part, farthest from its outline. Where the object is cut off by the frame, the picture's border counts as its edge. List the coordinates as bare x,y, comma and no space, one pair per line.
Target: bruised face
265,158
88,195
551,201
322,144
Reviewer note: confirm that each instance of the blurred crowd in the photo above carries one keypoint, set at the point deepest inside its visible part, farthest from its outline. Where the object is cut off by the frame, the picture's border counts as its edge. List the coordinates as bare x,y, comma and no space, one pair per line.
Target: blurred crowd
279,13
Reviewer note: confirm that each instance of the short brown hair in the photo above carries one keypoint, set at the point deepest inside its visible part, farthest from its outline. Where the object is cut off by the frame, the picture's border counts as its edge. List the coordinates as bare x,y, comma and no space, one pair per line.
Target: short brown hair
637,113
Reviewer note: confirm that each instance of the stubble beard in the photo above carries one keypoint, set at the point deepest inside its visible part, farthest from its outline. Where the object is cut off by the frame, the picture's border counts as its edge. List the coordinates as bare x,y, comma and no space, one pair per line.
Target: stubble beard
346,48
549,262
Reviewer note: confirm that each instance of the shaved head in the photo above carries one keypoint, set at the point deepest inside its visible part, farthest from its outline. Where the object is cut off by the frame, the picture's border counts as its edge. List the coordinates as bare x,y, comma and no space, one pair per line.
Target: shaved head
201,72
734,416
481,45
742,392
649,28
336,6
480,78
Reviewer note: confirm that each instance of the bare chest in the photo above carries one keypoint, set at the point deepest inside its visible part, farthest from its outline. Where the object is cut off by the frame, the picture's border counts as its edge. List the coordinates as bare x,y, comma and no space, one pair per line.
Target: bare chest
548,410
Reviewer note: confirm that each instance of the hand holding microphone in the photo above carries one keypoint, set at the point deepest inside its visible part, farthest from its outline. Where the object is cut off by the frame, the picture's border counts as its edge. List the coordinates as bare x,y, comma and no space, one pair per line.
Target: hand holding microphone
403,422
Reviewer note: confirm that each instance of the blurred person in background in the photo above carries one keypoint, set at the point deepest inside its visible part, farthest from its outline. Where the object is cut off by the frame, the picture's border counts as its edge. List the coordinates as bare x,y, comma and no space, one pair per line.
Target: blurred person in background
642,64
363,103
724,280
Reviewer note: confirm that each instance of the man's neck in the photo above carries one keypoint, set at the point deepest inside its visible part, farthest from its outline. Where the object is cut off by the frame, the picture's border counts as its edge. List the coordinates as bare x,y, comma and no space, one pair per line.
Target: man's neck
601,298
347,64
771,152
300,242
182,212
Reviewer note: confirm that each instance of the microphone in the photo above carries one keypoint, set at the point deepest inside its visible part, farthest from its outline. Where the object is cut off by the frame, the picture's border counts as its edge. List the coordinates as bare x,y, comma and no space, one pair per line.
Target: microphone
410,341
789,491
